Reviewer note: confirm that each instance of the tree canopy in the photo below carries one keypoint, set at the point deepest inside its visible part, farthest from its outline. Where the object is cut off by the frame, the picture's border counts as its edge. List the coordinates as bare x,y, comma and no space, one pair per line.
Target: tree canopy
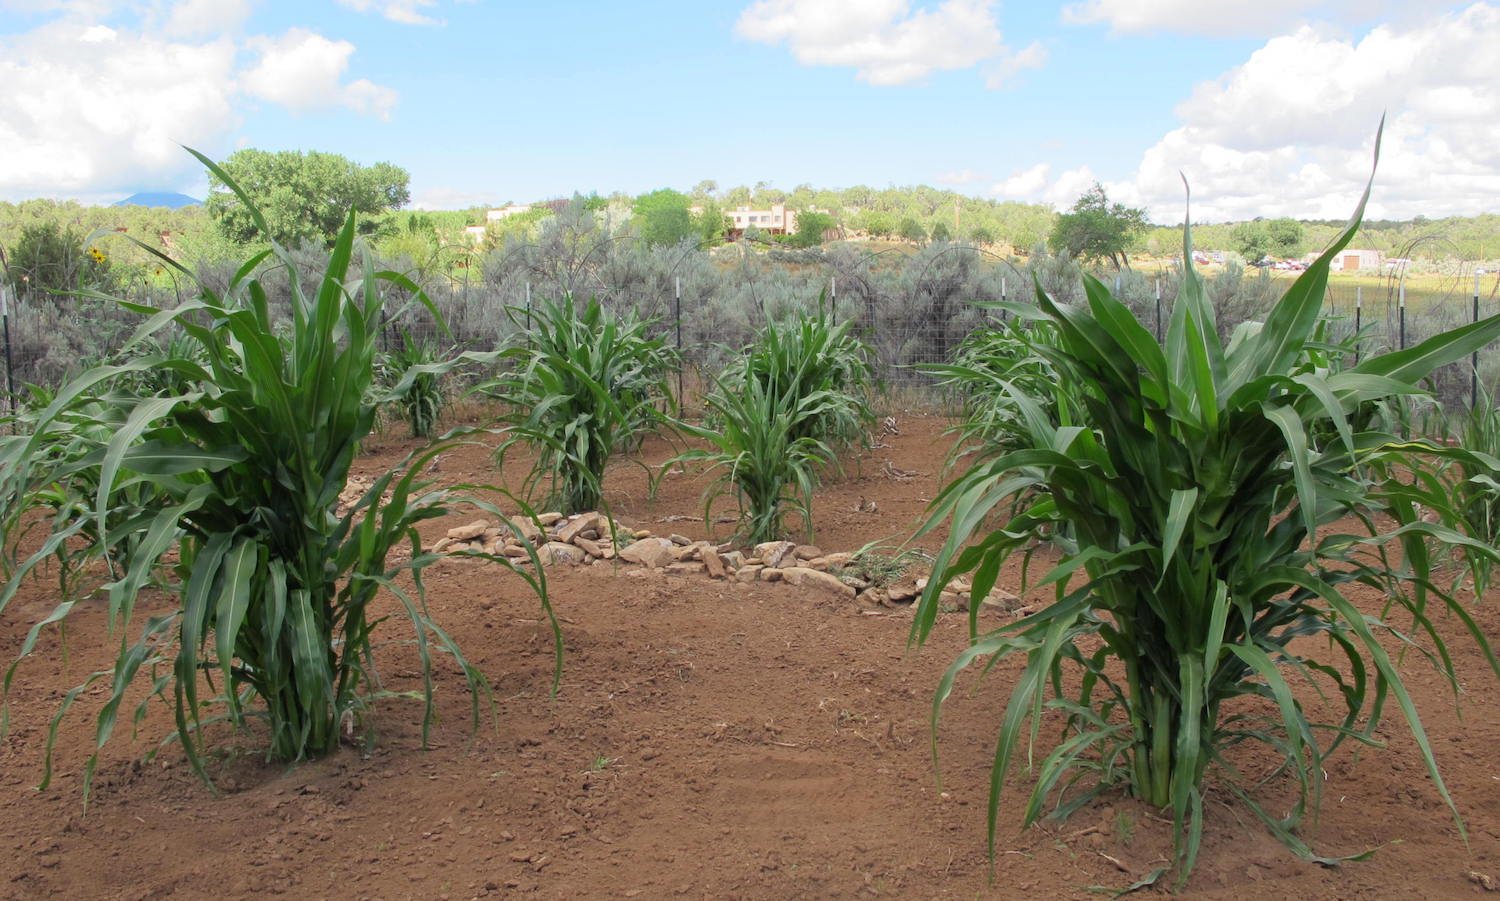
1261,238
305,197
1096,229
48,257
810,228
664,217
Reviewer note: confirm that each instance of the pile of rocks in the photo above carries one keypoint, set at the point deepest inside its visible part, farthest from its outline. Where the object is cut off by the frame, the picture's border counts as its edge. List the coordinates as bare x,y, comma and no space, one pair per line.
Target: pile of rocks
588,538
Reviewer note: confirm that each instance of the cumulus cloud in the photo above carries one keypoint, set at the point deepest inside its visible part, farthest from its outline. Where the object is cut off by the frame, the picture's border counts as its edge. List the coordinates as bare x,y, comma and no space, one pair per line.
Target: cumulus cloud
302,71
1291,130
446,198
886,42
962,177
1239,18
199,18
1002,71
407,12
91,108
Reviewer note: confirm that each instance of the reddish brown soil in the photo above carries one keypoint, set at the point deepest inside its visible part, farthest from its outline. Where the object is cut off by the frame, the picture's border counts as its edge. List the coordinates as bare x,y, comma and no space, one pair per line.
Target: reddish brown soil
709,740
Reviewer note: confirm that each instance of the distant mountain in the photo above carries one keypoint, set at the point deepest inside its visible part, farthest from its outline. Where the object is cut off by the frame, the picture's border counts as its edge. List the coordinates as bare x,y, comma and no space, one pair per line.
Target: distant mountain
169,199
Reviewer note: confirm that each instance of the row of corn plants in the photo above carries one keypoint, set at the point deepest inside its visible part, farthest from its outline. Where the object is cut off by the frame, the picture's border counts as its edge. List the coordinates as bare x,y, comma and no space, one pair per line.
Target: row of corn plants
1212,502
237,461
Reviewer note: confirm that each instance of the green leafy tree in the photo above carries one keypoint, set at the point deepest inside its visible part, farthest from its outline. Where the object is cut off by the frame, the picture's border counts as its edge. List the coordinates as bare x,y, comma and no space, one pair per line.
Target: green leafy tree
1096,229
876,223
911,230
711,224
980,234
304,197
1262,238
810,228
941,232
48,257
664,217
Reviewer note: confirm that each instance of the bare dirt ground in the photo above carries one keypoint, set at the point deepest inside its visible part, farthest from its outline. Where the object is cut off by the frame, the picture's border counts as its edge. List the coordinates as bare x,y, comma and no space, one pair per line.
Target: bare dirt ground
709,740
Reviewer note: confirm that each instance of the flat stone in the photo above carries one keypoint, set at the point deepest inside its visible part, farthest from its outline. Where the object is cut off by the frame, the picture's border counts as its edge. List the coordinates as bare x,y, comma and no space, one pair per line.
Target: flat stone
472,530
999,597
549,519
774,553
443,545
807,551
526,529
514,551
690,552
838,559
680,540
771,574
713,564
652,552
811,578
642,533
579,524
732,559
748,573
818,563
685,568
591,548
903,591
558,552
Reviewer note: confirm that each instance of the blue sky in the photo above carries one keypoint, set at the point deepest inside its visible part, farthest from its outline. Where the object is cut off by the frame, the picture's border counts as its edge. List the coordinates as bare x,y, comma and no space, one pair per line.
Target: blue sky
1268,107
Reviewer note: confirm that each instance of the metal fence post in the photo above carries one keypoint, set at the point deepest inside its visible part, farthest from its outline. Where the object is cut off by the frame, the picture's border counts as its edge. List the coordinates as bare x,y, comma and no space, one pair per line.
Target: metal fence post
10,378
1359,312
1402,314
677,291
1474,357
1158,310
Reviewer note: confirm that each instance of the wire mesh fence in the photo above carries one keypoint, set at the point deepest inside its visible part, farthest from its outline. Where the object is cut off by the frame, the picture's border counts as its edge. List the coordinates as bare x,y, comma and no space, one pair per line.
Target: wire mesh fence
913,306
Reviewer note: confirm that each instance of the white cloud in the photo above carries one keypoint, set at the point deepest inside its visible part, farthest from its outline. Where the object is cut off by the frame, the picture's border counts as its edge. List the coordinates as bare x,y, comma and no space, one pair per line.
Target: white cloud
999,73
964,177
886,42
1240,18
1023,184
302,71
1291,130
445,198
198,18
407,12
90,108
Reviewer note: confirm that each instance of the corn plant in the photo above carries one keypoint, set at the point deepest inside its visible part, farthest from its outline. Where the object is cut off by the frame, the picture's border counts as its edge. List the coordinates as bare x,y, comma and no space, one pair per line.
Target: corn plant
276,586
583,386
1221,496
757,455
802,358
993,364
422,400
1473,467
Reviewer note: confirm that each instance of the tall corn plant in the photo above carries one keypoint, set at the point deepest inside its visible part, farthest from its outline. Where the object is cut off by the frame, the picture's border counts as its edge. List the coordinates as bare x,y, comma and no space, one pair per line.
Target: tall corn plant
760,453
802,358
1473,467
1221,497
276,585
583,385
775,418
422,399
